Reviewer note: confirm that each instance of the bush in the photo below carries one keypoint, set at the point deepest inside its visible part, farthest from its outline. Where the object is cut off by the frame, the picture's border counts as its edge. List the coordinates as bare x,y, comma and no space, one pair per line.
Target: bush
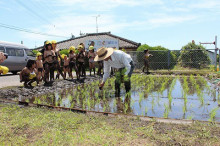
159,60
194,56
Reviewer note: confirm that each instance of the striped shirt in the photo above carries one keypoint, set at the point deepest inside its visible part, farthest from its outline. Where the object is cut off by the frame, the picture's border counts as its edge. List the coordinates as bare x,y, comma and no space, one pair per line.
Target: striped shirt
119,59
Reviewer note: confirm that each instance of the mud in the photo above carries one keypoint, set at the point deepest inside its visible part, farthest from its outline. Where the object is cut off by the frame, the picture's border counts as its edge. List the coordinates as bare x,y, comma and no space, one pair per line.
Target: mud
58,85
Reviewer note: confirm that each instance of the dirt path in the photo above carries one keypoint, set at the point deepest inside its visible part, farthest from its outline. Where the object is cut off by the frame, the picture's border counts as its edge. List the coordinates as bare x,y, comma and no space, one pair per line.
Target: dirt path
9,80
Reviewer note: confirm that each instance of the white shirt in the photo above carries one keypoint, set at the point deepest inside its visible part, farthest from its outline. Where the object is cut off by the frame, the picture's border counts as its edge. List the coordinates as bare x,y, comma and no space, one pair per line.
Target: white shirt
119,59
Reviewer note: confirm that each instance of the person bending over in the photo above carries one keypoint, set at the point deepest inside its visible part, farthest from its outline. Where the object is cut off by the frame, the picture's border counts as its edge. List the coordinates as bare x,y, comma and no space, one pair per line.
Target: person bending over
119,60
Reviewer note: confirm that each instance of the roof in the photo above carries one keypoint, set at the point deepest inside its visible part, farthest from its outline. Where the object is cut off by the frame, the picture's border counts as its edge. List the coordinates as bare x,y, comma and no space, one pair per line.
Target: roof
123,43
3,43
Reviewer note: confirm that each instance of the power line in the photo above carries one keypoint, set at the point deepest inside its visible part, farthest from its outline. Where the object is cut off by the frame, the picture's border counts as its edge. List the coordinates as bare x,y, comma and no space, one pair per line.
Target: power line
33,12
28,31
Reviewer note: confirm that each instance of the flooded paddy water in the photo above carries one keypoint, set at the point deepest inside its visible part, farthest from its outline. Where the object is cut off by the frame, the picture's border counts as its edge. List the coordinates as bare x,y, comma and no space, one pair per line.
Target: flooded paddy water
185,97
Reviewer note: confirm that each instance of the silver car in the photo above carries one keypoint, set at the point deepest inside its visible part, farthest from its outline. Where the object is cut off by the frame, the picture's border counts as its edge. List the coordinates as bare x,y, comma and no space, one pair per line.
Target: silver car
18,55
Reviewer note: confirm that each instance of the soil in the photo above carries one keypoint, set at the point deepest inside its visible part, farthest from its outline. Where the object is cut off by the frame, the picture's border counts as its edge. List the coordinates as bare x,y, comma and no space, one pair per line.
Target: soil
58,85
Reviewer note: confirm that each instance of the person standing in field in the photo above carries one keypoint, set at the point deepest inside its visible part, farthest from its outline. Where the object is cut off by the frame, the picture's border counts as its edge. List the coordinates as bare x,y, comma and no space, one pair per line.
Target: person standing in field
56,58
72,61
119,60
91,56
66,67
81,61
147,55
39,67
48,61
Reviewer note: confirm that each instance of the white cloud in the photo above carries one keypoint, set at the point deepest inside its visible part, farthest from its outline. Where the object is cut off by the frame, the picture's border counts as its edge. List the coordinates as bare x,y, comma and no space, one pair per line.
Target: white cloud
206,4
105,5
170,19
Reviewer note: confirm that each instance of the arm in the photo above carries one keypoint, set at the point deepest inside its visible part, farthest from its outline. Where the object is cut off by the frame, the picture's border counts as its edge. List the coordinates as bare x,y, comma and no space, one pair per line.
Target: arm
2,57
126,64
107,69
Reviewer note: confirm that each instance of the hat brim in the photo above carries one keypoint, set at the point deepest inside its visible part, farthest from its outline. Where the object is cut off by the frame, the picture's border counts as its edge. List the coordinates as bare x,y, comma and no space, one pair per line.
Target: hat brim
109,53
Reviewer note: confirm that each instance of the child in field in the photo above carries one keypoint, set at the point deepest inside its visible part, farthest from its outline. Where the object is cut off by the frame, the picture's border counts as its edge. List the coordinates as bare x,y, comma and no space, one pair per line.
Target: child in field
66,67
91,56
48,60
28,74
81,61
39,67
147,55
72,59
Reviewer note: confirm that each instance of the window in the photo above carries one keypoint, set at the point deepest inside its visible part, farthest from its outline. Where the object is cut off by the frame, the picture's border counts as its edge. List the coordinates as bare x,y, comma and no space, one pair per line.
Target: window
2,49
10,51
29,52
15,52
19,52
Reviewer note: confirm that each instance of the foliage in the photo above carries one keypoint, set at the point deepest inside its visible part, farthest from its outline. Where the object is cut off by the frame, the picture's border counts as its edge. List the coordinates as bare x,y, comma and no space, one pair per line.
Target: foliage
35,51
194,56
159,60
64,51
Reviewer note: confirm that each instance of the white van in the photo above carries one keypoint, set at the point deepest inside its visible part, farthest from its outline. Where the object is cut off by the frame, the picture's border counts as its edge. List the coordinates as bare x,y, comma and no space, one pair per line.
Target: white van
18,55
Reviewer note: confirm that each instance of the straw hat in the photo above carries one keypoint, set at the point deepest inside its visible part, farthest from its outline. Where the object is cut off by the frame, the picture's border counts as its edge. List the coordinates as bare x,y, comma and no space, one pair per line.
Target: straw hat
103,53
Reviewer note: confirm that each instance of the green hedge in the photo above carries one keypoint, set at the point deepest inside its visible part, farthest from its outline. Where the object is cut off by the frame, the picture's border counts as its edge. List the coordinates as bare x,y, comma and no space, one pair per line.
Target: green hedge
159,60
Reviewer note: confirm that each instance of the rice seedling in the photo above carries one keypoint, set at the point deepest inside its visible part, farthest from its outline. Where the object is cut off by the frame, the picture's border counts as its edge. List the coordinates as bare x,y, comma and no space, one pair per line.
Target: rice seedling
132,102
83,104
27,100
96,95
141,96
72,104
77,99
201,99
166,111
212,114
146,110
88,103
125,107
190,117
104,108
114,102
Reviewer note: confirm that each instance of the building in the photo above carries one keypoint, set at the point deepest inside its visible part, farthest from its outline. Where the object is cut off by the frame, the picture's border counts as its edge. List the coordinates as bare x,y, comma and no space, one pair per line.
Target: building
123,43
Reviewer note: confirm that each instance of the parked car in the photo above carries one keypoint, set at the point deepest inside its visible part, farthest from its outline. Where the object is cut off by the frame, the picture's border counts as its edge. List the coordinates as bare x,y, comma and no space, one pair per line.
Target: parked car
18,55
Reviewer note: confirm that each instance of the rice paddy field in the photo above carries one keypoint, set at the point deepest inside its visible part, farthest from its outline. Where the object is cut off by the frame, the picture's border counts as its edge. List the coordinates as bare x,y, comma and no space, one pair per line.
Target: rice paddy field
176,97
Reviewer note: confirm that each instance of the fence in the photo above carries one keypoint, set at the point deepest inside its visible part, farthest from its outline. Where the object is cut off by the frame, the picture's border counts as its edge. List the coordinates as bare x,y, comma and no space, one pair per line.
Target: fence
205,60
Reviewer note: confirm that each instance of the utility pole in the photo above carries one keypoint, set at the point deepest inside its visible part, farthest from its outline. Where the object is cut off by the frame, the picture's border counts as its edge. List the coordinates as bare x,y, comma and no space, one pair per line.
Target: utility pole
216,50
96,18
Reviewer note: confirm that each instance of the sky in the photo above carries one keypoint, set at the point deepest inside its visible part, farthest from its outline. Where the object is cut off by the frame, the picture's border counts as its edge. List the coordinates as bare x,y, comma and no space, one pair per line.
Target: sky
168,23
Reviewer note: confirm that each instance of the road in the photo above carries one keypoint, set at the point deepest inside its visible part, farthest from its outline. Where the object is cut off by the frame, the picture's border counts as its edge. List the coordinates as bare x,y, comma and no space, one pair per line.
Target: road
9,80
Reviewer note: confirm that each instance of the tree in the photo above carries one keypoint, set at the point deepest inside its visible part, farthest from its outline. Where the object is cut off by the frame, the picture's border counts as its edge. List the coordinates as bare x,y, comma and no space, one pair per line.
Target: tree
194,56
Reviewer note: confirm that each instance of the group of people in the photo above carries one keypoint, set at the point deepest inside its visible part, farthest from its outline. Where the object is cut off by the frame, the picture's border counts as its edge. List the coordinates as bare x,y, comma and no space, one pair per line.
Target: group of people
49,60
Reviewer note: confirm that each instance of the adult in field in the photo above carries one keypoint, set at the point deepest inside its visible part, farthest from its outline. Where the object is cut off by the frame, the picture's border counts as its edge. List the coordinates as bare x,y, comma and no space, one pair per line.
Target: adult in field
119,60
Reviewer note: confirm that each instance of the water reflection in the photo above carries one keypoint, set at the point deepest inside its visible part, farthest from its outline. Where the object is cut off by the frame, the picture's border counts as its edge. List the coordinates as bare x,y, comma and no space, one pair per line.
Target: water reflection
157,96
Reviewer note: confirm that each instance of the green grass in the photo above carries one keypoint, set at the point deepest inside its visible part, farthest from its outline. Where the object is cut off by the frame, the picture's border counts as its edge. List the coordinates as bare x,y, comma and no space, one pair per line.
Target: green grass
39,126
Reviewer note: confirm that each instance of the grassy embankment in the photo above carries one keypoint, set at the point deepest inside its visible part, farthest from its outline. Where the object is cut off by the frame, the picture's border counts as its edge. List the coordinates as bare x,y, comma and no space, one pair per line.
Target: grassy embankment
37,126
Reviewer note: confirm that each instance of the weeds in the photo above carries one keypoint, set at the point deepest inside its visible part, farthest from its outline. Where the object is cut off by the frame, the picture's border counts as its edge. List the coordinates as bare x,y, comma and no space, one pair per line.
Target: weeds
212,114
